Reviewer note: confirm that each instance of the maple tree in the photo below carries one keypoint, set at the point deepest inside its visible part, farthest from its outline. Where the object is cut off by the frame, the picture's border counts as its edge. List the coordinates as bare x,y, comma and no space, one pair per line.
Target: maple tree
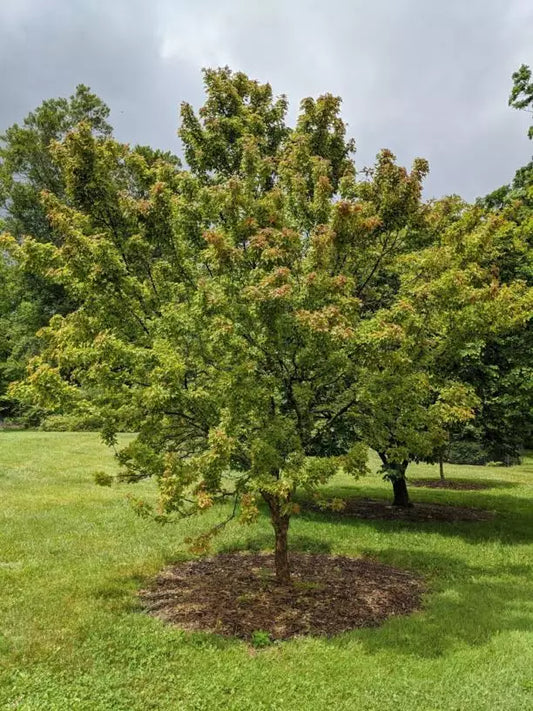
261,316
450,301
207,321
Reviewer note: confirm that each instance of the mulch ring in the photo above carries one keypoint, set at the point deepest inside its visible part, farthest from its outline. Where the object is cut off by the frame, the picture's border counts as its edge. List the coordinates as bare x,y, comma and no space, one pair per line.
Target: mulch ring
378,509
449,484
235,594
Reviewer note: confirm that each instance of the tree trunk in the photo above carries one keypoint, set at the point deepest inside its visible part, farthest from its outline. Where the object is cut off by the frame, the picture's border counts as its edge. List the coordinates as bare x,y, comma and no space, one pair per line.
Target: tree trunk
396,474
401,495
280,524
441,466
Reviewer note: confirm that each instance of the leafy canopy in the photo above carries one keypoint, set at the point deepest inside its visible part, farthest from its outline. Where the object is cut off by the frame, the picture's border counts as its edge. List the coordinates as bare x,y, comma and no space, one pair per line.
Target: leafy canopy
257,317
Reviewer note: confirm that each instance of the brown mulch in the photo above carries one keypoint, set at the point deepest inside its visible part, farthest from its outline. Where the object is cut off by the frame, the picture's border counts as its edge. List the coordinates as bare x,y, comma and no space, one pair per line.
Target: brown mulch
449,484
235,594
378,509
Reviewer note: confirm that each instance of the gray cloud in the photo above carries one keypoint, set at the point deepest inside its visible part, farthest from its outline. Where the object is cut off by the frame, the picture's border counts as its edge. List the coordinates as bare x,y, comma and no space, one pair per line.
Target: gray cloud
420,77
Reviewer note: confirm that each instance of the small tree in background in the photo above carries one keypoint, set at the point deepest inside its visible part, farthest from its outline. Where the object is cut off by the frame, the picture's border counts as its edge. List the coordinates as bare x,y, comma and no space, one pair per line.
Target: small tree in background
450,301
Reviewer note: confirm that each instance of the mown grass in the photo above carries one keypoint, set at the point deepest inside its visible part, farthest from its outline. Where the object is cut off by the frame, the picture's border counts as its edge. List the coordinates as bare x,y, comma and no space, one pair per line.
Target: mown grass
73,555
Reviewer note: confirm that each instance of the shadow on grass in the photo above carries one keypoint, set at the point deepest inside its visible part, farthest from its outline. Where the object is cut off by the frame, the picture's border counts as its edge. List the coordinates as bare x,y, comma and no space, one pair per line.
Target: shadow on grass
512,522
491,499
504,528
469,605
466,604
485,483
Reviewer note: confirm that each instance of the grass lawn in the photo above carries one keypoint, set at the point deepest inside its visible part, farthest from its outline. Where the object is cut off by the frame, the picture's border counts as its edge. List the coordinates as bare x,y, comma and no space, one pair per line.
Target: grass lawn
72,636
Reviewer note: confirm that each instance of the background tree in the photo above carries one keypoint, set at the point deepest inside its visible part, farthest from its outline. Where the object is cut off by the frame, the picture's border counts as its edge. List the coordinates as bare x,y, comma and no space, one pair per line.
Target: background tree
521,96
500,370
30,170
449,304
27,168
9,299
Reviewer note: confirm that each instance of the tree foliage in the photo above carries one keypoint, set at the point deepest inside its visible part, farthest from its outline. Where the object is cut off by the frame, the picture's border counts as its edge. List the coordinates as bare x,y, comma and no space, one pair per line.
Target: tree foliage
206,322
500,369
450,302
27,164
30,170
27,168
261,316
521,96
260,313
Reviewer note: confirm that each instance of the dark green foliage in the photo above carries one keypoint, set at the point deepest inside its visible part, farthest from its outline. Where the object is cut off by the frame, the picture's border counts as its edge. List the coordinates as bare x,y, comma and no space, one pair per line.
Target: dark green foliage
502,371
521,96
466,452
27,168
102,478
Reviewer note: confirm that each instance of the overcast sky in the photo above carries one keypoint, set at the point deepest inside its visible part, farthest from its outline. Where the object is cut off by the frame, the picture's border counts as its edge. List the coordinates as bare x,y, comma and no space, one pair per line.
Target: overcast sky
421,77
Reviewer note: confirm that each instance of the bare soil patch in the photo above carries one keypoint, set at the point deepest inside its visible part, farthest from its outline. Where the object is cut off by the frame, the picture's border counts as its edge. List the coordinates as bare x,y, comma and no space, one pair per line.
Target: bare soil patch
449,484
235,594
378,509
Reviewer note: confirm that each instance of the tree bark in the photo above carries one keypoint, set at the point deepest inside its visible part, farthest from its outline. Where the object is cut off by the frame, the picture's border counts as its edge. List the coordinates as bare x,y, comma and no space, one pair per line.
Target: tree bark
280,523
401,495
441,466
397,477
